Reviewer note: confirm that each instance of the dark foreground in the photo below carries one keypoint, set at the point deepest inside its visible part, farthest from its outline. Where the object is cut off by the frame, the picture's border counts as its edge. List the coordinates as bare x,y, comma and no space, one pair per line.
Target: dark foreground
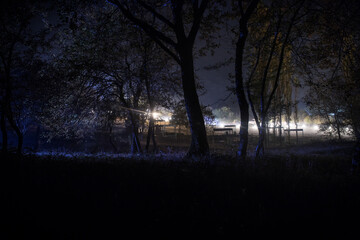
55,197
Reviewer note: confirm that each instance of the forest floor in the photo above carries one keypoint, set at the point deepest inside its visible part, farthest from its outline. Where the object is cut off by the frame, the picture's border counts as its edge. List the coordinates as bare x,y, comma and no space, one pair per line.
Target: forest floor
295,190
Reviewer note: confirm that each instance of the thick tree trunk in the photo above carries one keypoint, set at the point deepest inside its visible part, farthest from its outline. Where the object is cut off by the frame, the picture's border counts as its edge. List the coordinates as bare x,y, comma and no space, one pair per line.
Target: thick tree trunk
239,81
199,146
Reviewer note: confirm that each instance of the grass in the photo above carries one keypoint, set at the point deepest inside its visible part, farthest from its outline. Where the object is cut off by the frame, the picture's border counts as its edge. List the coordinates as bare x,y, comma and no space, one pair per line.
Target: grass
81,198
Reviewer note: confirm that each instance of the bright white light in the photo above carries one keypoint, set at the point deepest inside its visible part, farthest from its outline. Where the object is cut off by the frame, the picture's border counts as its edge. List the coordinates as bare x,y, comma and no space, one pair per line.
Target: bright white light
221,124
155,114
316,127
237,125
254,127
166,118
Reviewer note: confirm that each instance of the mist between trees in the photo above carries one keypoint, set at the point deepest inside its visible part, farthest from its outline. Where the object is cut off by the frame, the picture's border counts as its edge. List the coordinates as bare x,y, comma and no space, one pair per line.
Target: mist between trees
120,76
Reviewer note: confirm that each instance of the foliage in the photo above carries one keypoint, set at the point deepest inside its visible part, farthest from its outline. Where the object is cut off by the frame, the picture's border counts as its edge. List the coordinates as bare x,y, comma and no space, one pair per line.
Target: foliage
333,75
106,70
23,43
225,115
179,118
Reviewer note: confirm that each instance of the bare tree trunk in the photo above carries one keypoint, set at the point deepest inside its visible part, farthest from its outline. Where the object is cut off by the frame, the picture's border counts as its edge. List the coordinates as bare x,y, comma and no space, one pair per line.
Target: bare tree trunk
4,132
267,130
154,141
240,89
111,139
199,146
16,129
280,126
145,76
259,153
135,142
151,135
274,127
296,120
337,124
148,137
264,107
356,128
288,123
355,166
37,139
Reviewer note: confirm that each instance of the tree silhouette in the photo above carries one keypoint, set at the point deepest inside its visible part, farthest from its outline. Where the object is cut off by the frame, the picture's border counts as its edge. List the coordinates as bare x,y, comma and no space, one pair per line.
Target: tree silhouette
179,45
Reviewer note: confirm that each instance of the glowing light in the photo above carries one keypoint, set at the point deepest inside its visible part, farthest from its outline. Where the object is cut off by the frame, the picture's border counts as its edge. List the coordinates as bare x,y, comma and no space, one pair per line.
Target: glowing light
315,127
221,124
166,118
155,114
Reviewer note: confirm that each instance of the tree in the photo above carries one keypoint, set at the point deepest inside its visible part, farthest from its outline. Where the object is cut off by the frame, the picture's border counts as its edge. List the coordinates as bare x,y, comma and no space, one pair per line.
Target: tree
328,103
179,47
21,47
275,41
239,82
332,69
105,60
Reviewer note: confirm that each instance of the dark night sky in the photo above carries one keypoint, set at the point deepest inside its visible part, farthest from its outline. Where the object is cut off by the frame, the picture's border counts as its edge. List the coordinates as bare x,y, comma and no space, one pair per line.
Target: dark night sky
216,81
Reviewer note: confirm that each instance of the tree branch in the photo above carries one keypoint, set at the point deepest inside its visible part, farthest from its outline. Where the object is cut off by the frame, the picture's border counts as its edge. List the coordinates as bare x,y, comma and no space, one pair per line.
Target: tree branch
248,89
156,14
197,20
157,36
281,58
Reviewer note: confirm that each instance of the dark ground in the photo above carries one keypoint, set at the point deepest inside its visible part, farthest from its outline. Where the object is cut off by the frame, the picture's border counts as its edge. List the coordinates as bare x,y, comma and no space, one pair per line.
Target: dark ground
80,198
